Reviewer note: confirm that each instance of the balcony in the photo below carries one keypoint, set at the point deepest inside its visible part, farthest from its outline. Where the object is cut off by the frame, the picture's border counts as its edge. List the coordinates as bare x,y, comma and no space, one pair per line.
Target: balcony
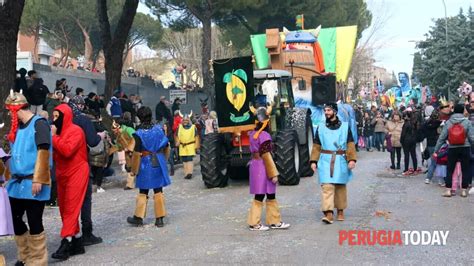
44,48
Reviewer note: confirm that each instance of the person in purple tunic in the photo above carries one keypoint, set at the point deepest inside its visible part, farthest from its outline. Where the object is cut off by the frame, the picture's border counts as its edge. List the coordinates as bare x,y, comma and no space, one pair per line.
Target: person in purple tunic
263,175
6,222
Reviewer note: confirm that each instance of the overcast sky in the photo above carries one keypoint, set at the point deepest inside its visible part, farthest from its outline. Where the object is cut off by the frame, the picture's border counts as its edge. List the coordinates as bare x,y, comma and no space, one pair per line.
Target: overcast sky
405,21
408,21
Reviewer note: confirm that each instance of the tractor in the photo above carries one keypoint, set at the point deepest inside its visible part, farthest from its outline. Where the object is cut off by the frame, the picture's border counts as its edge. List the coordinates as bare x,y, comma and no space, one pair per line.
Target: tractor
226,155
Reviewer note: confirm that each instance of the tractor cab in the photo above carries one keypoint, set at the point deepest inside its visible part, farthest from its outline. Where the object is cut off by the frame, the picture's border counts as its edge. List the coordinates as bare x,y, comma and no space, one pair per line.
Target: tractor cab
271,87
274,87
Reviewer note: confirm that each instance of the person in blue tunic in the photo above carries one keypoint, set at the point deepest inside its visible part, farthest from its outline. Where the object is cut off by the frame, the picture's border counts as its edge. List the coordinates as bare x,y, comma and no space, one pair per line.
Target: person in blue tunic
334,156
30,179
149,165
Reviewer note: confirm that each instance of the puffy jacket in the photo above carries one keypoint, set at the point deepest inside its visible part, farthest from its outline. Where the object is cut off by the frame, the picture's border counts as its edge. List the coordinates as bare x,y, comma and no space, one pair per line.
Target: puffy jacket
161,111
368,128
85,123
456,119
101,160
379,124
395,130
408,136
51,103
115,108
37,92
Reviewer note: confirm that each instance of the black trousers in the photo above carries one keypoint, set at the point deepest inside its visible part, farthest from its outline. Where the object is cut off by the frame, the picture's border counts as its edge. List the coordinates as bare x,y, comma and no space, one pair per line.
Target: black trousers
261,197
34,213
155,190
407,152
97,174
398,151
53,199
86,210
463,155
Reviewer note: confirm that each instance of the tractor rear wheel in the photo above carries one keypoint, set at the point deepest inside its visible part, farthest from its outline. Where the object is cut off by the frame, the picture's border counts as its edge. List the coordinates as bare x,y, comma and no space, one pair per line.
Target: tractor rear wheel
286,157
238,172
211,161
304,151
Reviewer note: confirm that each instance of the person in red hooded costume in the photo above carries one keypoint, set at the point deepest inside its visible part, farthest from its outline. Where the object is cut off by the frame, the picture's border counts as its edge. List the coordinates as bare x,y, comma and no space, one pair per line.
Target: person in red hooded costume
72,175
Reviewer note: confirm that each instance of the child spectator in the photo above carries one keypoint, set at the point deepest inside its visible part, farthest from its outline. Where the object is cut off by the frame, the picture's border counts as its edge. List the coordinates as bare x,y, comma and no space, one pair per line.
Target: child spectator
441,164
211,123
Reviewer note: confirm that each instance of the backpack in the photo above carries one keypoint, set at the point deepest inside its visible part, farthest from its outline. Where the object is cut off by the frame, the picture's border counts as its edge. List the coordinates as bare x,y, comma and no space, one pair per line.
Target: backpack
97,150
442,159
456,134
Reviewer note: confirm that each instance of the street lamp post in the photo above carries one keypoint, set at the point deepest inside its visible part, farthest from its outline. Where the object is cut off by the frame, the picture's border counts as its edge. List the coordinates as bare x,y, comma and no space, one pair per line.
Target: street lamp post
446,18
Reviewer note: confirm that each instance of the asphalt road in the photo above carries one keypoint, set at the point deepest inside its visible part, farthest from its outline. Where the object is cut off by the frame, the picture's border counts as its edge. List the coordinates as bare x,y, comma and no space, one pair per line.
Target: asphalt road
208,226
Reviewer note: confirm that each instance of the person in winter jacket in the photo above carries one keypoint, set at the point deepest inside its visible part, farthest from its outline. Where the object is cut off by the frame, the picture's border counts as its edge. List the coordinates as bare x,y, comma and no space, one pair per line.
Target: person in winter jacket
470,110
93,103
368,131
408,141
93,139
460,152
394,129
21,82
176,105
418,114
127,106
430,130
52,101
379,130
359,116
36,94
114,108
99,157
177,119
162,111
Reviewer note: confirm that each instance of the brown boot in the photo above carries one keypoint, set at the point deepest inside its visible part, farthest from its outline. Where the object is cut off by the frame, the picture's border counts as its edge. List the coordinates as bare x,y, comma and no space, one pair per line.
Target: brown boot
328,217
38,251
255,214
140,210
23,251
340,215
273,212
160,210
130,181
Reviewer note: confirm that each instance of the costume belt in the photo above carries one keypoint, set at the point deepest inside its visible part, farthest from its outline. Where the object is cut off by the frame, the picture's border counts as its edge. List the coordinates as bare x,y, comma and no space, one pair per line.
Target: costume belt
186,144
19,179
154,160
333,158
256,156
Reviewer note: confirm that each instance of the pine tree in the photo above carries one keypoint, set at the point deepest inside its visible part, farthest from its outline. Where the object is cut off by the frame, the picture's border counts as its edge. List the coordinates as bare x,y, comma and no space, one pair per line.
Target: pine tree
444,62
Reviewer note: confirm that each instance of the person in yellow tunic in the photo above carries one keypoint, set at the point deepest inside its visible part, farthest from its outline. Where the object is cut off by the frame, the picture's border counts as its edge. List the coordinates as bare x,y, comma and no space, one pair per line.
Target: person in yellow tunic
187,140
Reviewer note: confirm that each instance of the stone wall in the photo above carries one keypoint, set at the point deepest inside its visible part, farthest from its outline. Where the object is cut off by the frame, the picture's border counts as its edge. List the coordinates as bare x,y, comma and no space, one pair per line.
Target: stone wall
95,82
